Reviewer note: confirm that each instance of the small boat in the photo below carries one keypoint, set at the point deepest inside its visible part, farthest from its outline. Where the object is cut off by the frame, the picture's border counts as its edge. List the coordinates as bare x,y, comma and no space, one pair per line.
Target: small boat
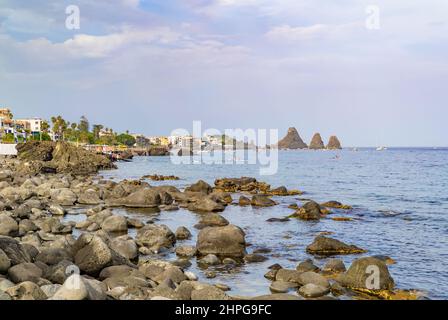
381,148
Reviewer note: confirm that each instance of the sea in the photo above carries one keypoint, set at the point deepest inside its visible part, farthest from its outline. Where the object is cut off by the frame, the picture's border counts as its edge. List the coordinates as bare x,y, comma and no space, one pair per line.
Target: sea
400,209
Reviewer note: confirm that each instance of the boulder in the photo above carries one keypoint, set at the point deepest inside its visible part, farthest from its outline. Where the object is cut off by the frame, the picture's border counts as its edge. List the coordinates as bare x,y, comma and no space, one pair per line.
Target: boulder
311,290
292,140
210,260
8,226
89,197
25,272
262,201
125,246
142,198
14,250
316,142
287,275
200,186
309,211
155,237
73,288
26,291
205,204
92,254
333,143
282,286
5,262
213,220
52,256
334,266
186,251
306,266
244,201
314,278
182,233
115,224
209,293
367,273
227,241
327,246
63,197
56,210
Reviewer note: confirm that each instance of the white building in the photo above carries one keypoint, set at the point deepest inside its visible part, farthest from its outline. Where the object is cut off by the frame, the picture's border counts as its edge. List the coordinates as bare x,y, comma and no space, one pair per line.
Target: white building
32,124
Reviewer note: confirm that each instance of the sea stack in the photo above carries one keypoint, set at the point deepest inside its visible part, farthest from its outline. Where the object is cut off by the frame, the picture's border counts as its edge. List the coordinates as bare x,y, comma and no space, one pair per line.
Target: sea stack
334,143
316,142
292,140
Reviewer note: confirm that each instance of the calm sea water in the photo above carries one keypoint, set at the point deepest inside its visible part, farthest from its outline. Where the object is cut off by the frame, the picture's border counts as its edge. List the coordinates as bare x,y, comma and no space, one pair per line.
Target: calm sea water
400,200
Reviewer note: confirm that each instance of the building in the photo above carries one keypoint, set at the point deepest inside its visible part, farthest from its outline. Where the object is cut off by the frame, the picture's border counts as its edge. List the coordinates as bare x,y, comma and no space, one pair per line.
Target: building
32,125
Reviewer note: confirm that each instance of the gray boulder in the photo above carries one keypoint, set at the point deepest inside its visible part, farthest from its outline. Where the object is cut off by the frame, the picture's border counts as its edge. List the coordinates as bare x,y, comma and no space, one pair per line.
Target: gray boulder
228,241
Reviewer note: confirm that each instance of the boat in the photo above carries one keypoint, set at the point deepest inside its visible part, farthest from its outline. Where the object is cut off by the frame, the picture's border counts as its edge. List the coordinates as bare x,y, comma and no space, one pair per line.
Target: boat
381,148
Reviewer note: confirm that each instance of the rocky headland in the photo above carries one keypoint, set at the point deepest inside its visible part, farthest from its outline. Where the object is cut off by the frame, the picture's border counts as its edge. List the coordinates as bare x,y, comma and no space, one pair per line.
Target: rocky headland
42,255
293,141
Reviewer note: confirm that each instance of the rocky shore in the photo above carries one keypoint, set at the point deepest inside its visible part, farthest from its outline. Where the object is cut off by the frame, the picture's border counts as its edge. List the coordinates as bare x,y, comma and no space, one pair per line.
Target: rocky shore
44,257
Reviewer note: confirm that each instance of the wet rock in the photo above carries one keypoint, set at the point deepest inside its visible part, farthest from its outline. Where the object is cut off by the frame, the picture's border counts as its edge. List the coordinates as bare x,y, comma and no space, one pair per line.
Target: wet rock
210,260
280,191
125,246
334,266
244,201
311,290
200,186
206,204
60,272
213,220
222,286
143,198
26,291
334,143
282,286
287,275
92,254
26,226
228,241
5,262
277,220
243,184
25,272
155,237
335,205
307,265
52,256
327,246
386,259
115,224
135,223
262,201
209,293
8,226
56,210
119,271
173,274
89,197
182,233
14,250
271,275
361,273
254,258
186,251
313,278
316,142
309,211
63,197
191,276
292,140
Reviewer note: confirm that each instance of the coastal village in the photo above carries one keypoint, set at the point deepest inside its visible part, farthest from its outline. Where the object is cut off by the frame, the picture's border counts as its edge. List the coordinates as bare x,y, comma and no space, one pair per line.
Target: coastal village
101,139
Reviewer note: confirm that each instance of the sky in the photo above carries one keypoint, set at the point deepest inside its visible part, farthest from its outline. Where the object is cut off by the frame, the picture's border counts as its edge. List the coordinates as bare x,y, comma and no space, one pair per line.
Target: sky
371,72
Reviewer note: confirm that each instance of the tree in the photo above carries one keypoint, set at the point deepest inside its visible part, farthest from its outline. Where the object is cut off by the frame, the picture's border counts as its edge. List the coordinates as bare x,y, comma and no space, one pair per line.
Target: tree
126,139
59,126
96,131
83,125
45,126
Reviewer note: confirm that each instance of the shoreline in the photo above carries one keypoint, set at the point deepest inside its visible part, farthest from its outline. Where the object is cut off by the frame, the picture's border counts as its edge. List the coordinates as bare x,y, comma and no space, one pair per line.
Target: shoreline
49,246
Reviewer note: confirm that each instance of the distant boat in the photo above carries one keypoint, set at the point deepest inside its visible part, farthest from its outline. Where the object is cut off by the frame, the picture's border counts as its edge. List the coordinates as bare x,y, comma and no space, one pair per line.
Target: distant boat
381,148
355,149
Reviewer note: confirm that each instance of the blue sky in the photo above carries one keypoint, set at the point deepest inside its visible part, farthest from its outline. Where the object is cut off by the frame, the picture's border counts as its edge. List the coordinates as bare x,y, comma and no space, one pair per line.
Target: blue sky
154,66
